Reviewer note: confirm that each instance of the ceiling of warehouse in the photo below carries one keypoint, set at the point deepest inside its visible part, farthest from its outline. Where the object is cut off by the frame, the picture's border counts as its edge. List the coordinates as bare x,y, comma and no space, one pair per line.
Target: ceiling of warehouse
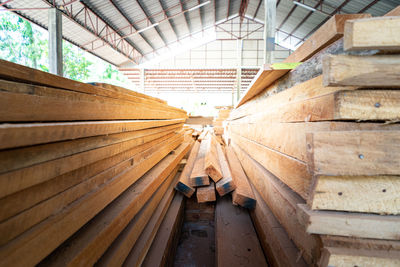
121,31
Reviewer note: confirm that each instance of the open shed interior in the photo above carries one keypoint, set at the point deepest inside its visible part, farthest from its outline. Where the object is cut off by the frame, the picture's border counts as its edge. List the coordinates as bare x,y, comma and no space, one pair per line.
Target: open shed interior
243,133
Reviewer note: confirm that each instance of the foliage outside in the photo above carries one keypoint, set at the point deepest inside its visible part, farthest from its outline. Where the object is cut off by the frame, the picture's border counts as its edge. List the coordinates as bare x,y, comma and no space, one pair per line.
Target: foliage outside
27,44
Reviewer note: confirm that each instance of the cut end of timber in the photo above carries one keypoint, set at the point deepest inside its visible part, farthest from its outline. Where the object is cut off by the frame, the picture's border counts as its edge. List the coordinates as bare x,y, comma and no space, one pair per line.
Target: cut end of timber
245,202
184,189
200,181
225,186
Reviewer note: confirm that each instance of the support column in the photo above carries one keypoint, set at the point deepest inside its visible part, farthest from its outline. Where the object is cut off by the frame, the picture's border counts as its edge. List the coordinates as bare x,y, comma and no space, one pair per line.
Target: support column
239,68
55,42
269,30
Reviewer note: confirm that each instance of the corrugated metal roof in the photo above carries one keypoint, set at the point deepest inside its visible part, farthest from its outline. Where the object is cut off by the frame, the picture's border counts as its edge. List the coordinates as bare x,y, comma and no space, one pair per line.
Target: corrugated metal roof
108,28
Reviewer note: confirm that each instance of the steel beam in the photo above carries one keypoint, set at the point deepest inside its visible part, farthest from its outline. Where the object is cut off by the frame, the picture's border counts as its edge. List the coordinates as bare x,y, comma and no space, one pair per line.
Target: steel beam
345,2
151,20
303,20
116,6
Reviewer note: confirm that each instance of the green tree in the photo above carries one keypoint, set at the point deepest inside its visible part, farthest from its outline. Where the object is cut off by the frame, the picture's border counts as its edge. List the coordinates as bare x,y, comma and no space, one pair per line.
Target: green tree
25,44
75,64
20,43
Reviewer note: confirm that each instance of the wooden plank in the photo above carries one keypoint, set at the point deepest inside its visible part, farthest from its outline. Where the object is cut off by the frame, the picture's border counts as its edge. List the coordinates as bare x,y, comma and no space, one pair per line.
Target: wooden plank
266,76
309,89
341,105
206,193
124,90
350,224
236,240
28,156
184,185
386,37
26,134
357,257
19,73
370,194
354,152
283,203
278,248
394,12
16,225
328,33
199,120
292,136
243,194
21,222
211,161
199,177
226,184
35,246
89,244
203,135
20,179
167,238
62,105
15,203
363,71
289,170
359,243
130,237
127,99
138,253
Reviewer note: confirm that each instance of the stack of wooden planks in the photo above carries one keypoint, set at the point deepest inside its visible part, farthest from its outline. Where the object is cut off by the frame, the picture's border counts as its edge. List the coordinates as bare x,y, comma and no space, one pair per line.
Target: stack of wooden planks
87,172
211,168
320,146
223,114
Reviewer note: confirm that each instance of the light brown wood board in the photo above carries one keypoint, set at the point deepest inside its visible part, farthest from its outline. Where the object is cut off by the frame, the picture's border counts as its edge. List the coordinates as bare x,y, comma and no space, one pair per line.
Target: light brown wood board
283,203
236,239
184,185
243,194
26,134
35,246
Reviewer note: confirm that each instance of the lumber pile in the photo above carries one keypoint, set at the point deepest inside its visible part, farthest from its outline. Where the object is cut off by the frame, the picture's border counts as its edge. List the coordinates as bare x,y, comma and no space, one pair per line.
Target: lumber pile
210,169
320,146
218,123
87,172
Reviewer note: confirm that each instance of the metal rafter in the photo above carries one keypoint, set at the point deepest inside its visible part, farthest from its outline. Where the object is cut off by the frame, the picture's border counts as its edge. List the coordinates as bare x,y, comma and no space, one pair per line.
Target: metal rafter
166,16
368,6
8,1
326,19
190,35
129,22
242,9
152,22
303,20
215,12
279,30
201,18
227,12
185,15
258,8
91,23
287,16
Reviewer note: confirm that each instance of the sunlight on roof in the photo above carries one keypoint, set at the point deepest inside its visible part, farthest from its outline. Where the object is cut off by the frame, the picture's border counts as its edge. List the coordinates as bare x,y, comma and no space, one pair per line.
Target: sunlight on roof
187,43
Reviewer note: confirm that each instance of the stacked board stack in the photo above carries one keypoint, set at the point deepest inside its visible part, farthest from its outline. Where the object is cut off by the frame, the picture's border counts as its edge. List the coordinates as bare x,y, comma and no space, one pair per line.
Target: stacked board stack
218,123
213,169
87,172
320,145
